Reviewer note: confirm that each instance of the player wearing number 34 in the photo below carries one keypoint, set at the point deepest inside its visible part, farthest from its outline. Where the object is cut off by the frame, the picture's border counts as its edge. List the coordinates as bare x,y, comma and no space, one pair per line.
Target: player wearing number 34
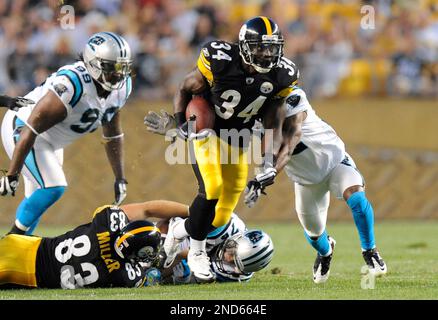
71,102
244,82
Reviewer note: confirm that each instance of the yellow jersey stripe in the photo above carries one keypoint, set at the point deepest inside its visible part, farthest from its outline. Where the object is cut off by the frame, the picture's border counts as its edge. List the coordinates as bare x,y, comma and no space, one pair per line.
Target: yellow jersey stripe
100,209
285,92
268,25
135,231
204,59
205,70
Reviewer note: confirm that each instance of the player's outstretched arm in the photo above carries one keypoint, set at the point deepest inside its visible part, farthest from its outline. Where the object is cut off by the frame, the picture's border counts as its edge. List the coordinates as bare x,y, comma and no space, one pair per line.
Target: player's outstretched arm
161,209
49,111
291,137
113,137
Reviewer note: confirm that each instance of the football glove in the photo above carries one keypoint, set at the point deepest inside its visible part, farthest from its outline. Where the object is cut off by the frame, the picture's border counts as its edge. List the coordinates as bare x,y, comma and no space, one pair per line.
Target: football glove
159,123
120,191
187,131
8,185
256,186
15,103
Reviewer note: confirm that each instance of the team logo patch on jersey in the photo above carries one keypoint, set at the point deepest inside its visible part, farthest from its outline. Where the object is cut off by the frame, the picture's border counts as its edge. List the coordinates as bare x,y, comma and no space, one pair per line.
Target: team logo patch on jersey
205,52
293,100
60,89
266,87
249,80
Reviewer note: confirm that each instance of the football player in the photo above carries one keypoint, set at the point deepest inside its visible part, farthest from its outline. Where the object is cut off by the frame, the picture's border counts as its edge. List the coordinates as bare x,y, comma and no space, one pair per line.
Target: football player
70,103
244,81
315,159
235,253
113,250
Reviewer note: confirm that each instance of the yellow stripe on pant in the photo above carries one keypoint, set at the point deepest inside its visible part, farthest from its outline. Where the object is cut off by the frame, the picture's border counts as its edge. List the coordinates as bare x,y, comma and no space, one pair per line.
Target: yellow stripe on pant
222,171
18,259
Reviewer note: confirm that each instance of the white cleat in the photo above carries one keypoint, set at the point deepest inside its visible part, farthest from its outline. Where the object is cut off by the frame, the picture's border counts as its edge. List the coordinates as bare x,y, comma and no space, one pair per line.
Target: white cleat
321,267
171,244
199,264
375,263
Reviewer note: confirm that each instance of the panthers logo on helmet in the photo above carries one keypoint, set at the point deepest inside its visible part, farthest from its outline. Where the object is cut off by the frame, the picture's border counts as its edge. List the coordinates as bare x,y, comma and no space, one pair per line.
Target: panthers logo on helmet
254,236
96,40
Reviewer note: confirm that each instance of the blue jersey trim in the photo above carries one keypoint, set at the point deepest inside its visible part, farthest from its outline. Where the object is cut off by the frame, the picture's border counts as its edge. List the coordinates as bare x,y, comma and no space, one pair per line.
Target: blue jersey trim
77,85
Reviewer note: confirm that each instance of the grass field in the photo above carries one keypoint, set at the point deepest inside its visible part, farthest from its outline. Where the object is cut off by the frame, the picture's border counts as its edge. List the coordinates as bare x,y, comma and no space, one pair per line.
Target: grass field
409,248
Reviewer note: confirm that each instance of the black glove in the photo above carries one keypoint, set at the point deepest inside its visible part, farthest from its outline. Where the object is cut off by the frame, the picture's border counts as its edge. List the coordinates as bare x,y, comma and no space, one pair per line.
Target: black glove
256,186
14,103
8,185
120,191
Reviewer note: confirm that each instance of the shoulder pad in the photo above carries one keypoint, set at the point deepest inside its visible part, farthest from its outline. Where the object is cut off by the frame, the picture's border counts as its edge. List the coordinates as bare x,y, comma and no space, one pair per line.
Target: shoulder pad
288,75
214,57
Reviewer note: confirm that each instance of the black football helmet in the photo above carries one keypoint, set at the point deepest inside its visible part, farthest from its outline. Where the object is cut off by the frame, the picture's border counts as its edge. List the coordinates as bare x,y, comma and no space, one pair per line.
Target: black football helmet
261,44
139,241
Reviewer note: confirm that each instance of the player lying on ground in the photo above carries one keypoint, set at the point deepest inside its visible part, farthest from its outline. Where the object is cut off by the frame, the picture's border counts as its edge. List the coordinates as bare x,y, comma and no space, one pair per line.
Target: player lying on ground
315,159
107,252
235,253
118,249
70,103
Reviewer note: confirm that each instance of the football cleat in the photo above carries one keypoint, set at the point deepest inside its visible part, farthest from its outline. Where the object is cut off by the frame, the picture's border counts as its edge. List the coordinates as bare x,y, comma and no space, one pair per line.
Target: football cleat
171,244
321,267
199,264
375,263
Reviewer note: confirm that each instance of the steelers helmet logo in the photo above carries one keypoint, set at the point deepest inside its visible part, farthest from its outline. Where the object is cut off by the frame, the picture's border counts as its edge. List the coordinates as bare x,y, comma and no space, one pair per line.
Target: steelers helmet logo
266,87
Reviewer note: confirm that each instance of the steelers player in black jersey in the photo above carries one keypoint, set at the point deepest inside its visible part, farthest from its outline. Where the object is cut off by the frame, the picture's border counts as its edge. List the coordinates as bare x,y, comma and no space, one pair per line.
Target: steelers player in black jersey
244,81
112,250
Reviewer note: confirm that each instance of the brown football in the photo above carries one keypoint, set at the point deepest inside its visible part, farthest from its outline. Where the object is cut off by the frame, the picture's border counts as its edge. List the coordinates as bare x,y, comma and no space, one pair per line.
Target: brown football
203,111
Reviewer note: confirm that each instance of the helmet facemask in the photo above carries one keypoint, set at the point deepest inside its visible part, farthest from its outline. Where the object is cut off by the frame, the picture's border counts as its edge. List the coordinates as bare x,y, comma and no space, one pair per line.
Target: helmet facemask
263,54
113,73
226,257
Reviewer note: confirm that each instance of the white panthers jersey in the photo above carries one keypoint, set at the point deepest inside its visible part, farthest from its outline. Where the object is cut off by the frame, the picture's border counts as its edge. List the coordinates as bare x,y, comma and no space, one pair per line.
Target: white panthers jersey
86,111
319,150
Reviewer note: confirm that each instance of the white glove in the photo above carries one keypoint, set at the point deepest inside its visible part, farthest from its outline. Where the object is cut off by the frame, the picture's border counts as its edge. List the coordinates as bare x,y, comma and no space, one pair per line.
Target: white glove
159,123
8,185
120,191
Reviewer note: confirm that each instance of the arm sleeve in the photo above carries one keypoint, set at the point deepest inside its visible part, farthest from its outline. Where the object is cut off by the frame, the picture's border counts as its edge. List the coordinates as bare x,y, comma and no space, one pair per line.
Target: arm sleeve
68,87
204,65
296,102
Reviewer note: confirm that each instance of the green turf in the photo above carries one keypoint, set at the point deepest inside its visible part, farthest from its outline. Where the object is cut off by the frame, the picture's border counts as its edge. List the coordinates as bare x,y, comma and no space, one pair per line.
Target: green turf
409,248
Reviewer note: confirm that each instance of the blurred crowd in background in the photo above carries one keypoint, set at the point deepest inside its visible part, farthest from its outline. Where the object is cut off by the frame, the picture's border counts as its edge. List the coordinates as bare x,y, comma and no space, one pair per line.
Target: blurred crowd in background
337,50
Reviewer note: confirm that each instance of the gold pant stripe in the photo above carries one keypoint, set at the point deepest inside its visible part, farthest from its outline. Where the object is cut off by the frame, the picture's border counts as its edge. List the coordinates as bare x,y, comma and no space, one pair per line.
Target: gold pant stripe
18,259
223,172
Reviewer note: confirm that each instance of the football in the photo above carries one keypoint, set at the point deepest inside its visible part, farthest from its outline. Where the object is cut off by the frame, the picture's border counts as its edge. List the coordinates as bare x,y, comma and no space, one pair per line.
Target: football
203,111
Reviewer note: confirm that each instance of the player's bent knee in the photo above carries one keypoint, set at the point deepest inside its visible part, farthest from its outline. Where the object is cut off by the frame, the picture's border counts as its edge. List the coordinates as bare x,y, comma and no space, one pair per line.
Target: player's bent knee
351,190
213,189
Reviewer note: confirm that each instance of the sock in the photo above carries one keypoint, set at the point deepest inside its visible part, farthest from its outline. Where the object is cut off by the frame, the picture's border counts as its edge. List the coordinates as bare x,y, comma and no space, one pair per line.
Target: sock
321,244
201,217
179,230
31,209
33,226
363,216
197,245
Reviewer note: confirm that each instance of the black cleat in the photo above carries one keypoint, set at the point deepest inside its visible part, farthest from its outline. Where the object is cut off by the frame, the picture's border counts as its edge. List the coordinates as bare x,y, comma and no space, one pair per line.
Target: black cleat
375,263
321,267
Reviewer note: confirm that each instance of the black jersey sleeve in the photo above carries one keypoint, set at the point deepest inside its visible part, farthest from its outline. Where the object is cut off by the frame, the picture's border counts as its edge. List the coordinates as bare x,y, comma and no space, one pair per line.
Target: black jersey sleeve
214,58
287,77
111,218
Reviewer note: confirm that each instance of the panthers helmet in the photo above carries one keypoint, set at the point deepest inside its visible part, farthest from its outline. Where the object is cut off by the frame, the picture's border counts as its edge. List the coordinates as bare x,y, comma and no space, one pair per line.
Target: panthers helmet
139,241
251,251
107,57
261,44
